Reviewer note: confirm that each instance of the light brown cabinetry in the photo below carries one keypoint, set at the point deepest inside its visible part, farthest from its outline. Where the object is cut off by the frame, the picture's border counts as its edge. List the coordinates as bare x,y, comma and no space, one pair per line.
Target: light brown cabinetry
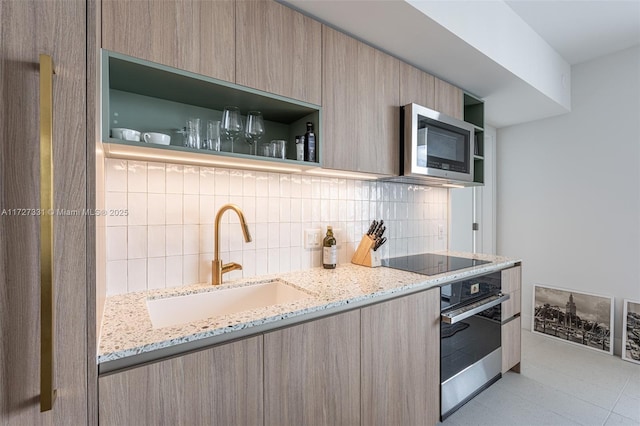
27,29
360,99
416,86
511,345
278,50
217,386
448,99
196,36
401,361
312,373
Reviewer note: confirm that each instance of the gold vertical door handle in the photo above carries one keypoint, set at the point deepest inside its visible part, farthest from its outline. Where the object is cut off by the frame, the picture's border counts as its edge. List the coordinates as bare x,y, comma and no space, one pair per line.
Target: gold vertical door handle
47,320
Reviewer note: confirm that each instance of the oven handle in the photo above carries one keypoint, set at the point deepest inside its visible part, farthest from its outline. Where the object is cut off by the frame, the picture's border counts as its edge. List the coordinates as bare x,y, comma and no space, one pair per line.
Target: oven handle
453,317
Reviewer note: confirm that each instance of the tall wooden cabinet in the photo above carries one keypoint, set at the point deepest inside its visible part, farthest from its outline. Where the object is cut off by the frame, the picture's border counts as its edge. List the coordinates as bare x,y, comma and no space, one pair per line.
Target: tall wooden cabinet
278,50
360,100
312,373
401,361
193,35
217,386
59,29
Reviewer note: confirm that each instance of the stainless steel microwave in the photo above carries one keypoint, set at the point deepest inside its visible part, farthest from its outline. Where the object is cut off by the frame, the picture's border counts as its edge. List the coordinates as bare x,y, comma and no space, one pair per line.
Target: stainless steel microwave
436,145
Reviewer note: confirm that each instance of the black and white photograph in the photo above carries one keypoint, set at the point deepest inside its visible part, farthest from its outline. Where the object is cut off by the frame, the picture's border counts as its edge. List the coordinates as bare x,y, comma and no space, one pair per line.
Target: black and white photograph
631,331
578,318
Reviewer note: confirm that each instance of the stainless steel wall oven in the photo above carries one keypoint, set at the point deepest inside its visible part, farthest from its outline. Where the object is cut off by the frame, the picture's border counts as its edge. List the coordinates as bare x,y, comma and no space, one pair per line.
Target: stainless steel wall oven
470,339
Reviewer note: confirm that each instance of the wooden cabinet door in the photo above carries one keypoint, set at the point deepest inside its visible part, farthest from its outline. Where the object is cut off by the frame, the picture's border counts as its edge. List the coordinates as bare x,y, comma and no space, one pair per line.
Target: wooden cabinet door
312,373
511,345
448,99
278,50
193,35
416,86
339,101
217,386
57,28
360,99
401,361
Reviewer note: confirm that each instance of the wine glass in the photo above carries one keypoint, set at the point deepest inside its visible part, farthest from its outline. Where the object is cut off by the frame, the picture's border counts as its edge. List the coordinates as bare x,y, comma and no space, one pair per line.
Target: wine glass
231,123
254,130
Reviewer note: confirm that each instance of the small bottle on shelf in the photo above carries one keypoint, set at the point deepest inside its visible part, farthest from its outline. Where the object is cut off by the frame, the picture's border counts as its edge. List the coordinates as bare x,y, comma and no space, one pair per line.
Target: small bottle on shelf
310,144
300,148
329,250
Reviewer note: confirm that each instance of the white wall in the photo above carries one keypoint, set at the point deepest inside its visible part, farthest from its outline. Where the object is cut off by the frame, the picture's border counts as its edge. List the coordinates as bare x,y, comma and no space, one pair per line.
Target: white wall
569,188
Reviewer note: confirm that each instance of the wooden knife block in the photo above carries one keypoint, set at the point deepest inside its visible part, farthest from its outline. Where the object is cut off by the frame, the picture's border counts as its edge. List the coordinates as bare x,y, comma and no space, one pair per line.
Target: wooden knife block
365,255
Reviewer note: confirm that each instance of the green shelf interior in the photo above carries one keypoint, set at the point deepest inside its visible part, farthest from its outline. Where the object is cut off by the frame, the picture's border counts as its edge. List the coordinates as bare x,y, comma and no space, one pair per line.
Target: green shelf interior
154,98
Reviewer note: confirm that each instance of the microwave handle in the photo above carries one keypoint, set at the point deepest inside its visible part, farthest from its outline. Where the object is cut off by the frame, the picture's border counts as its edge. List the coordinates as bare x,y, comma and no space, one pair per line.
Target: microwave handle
453,317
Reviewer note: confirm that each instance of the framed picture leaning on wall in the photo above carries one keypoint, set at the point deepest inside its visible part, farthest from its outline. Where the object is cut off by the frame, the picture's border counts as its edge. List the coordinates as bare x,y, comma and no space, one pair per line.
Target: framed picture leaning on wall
631,331
579,318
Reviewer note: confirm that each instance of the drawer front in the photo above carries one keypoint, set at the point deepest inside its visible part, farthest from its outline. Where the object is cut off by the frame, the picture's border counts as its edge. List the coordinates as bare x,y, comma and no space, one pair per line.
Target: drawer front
512,306
511,345
511,279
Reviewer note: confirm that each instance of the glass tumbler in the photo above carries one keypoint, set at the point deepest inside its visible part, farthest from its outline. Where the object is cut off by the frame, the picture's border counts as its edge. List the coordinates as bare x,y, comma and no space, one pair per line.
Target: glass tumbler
279,149
213,142
193,133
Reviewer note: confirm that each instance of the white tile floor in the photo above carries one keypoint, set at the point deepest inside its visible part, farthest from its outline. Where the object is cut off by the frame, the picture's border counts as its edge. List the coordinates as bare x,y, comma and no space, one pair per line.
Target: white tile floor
560,384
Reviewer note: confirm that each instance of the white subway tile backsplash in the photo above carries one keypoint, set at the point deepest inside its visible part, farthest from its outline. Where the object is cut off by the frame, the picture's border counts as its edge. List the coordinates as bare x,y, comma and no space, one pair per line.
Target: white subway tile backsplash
236,182
285,209
115,175
156,207
190,269
156,276
117,243
137,176
285,186
207,181
167,237
116,201
273,209
191,180
191,209
173,209
156,178
221,182
191,239
116,277
273,233
174,238
137,208
249,184
137,242
156,241
175,178
207,209
136,275
173,271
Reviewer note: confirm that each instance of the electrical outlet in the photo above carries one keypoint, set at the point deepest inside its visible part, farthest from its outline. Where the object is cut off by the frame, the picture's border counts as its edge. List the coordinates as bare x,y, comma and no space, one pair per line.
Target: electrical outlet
312,238
440,232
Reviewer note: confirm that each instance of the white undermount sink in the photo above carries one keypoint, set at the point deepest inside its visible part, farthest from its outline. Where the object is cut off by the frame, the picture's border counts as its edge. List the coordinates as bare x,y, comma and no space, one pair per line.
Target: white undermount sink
177,310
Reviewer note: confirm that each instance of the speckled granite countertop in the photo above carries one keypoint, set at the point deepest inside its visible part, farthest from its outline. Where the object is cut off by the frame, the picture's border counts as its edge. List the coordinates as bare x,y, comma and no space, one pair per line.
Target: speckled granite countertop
128,337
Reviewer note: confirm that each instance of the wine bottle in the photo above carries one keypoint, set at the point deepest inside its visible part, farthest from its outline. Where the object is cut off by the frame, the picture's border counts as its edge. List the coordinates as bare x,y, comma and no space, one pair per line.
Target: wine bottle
310,144
329,250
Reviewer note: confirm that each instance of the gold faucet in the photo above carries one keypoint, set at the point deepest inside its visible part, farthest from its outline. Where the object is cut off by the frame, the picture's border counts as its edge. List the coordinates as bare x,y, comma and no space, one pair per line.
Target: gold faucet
217,267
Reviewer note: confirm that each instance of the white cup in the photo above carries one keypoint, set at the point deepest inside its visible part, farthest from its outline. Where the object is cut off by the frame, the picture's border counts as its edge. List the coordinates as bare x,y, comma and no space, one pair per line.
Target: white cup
125,134
158,138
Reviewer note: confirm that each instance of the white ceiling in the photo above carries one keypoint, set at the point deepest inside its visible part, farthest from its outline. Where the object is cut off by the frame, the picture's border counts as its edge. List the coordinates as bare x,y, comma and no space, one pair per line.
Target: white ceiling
582,30
578,30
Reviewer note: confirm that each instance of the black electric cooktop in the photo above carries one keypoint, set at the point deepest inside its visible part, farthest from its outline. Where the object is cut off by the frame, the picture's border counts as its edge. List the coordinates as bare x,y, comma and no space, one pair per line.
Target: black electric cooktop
430,263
